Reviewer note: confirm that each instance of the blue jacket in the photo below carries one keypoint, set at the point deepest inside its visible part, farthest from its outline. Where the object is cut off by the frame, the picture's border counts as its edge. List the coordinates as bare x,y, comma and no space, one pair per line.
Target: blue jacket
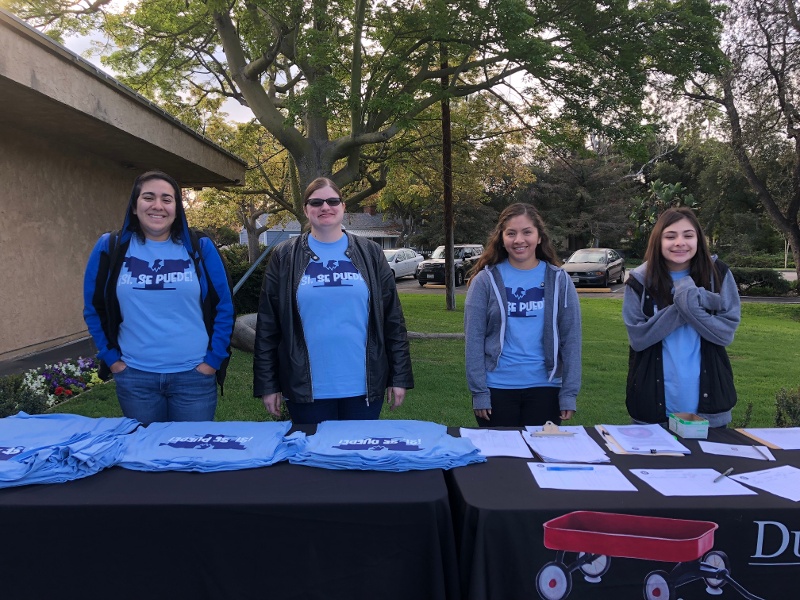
101,309
485,325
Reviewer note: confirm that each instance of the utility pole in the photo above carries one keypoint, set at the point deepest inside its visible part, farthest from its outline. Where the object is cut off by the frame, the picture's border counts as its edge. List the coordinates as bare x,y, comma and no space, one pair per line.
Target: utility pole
447,181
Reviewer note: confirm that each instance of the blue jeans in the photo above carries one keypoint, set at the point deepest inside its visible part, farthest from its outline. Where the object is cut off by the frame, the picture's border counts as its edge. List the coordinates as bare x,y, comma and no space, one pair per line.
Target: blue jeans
334,409
157,397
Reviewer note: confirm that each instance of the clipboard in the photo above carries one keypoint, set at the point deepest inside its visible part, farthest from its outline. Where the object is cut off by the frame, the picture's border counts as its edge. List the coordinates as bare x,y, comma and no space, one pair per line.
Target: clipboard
615,447
550,429
769,445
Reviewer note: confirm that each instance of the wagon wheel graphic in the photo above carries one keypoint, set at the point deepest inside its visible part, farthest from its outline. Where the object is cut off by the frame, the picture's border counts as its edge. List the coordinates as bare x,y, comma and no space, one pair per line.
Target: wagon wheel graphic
553,582
719,561
658,586
594,570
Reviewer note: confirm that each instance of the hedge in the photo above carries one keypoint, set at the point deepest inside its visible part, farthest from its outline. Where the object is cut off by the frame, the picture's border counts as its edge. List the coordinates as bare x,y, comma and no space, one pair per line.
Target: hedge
246,299
760,282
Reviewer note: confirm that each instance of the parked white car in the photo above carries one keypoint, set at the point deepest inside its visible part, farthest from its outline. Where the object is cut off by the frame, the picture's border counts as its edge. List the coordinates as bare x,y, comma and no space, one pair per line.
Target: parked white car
403,261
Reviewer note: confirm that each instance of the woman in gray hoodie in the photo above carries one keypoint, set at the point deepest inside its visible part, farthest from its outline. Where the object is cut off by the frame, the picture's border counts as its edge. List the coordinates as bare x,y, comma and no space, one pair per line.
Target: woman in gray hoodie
681,309
522,324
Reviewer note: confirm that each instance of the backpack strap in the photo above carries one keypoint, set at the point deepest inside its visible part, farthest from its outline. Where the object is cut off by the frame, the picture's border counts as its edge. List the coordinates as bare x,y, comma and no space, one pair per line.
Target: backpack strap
212,298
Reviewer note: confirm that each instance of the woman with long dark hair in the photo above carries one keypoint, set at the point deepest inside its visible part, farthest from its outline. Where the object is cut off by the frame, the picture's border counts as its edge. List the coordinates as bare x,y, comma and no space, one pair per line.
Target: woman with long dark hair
158,304
522,324
681,308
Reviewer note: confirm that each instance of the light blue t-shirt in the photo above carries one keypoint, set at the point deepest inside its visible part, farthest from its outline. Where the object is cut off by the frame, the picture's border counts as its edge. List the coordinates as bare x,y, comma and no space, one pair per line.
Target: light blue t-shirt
162,329
388,445
521,363
209,446
333,300
681,352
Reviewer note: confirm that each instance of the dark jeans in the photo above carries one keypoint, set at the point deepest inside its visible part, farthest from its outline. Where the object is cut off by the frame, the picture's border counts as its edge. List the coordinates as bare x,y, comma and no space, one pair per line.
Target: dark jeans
521,407
334,409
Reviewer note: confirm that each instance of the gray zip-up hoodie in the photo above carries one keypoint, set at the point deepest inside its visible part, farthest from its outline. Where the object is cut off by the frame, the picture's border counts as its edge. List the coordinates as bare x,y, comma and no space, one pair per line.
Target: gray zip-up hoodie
485,327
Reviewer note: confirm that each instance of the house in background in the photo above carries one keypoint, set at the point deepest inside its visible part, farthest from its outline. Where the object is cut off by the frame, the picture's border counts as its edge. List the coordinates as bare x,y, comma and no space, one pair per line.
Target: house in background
371,226
72,141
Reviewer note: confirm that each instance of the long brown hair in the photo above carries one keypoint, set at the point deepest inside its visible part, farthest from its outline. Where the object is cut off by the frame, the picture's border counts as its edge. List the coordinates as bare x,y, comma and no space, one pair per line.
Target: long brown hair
701,267
496,252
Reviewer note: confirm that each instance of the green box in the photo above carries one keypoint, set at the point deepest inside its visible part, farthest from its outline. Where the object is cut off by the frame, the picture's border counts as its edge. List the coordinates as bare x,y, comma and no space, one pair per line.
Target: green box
688,425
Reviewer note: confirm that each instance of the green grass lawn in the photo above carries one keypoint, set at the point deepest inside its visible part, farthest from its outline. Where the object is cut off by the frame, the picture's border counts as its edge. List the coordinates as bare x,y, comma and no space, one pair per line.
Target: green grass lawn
765,358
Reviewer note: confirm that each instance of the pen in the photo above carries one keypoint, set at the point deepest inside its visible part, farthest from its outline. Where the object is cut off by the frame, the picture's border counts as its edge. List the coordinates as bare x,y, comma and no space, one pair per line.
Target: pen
725,474
570,468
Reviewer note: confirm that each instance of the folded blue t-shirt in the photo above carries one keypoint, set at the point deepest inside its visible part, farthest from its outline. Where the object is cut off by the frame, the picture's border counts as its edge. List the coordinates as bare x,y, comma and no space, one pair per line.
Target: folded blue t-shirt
385,446
208,446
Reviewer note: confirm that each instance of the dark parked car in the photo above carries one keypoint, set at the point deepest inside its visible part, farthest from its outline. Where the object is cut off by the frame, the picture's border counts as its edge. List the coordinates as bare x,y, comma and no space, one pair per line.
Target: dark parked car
464,257
595,266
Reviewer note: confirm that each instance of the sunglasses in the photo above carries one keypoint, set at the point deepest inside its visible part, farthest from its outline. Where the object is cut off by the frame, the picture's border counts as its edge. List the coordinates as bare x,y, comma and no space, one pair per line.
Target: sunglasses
317,202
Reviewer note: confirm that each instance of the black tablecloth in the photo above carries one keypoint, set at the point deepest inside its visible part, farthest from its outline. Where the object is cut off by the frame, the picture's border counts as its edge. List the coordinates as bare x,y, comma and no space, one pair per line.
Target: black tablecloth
500,511
282,532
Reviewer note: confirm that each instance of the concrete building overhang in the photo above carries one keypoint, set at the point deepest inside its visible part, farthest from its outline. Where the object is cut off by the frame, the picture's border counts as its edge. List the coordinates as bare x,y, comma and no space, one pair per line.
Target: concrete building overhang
48,91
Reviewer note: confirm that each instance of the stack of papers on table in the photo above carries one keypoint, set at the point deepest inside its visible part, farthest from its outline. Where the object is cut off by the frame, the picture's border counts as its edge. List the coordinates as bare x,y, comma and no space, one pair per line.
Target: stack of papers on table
737,450
782,481
691,482
494,442
779,438
578,447
600,478
641,439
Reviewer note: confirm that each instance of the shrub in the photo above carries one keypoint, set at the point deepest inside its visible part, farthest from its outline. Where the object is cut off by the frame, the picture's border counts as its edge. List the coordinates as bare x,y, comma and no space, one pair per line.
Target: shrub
14,397
787,408
246,299
756,260
760,282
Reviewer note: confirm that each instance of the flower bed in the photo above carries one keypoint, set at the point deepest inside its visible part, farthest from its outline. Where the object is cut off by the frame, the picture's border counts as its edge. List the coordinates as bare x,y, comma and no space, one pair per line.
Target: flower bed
37,390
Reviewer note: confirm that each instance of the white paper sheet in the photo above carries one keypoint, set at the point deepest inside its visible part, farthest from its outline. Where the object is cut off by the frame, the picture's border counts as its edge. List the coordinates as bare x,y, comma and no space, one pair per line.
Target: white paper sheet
691,482
579,447
492,442
739,450
782,481
785,438
569,476
645,439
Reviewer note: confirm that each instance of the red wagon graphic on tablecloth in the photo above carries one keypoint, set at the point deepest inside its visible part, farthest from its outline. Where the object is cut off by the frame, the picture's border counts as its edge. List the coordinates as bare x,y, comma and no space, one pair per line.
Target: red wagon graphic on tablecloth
596,537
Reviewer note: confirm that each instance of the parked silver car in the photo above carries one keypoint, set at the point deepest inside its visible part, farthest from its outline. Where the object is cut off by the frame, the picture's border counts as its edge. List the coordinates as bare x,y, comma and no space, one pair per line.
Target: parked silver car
403,261
595,266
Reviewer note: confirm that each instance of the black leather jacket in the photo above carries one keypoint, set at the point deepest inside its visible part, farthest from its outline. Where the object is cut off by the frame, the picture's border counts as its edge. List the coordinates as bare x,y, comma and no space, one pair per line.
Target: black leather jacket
280,359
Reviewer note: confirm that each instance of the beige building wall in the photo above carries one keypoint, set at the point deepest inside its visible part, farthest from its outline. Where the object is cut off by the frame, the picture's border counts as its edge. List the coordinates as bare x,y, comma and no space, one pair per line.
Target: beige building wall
72,141
54,204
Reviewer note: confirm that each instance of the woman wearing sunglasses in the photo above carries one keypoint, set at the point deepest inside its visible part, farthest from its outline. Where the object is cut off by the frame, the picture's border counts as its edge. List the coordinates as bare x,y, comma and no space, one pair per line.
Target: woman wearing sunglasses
331,338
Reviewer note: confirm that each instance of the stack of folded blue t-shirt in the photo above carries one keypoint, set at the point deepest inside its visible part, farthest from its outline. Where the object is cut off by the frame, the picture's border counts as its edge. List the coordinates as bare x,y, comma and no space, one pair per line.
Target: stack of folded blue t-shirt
57,448
385,446
207,446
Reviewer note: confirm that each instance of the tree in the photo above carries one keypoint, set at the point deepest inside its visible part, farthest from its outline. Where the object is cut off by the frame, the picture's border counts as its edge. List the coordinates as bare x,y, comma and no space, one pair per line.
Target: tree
758,97
267,180
335,80
661,196
584,197
486,163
